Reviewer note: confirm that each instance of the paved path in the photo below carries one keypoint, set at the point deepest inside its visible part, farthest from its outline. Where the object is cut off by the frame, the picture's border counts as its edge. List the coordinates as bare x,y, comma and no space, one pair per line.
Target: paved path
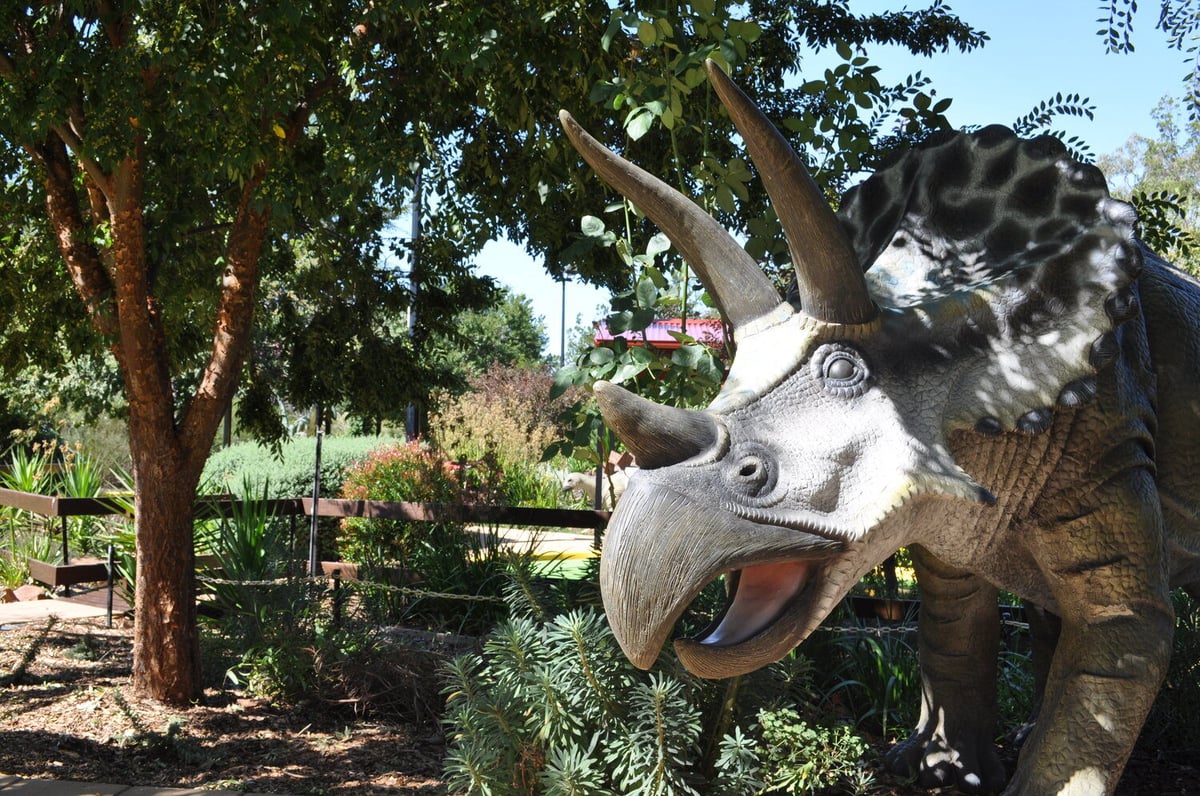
12,786
40,610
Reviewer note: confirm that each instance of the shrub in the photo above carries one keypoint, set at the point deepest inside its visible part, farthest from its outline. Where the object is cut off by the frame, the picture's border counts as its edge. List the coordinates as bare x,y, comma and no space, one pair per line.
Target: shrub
802,758
249,466
444,557
552,706
507,411
408,472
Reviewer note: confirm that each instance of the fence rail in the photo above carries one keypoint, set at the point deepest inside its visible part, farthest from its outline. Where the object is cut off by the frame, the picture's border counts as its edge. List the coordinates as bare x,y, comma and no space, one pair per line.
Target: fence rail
208,507
215,506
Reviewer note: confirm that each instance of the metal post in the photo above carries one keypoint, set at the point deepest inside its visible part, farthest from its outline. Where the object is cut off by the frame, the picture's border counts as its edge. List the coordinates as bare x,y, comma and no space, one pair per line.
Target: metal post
598,502
337,599
111,576
412,413
562,331
291,561
66,554
313,564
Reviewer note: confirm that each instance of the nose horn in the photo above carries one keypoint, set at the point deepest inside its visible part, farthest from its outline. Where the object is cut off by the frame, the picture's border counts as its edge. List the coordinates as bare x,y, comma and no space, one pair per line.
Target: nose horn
656,435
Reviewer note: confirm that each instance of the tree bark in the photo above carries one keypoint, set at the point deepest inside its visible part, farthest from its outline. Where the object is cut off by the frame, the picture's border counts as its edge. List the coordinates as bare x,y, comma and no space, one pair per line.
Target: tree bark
166,646
168,453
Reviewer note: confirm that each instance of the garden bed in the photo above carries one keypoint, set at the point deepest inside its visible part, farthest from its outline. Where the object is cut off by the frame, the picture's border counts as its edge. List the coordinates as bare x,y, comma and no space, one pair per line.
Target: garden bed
74,716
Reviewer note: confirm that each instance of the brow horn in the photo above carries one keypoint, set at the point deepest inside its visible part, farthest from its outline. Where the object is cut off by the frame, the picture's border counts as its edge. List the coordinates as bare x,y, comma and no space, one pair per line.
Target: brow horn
828,276
734,280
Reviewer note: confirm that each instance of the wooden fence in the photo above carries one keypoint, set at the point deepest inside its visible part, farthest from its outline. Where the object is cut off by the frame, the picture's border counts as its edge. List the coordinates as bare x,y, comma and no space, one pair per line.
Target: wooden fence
211,507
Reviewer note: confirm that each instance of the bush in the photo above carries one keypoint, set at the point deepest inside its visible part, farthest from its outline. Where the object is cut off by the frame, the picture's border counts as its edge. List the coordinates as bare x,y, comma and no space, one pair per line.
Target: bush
552,706
442,557
802,758
409,472
249,466
506,412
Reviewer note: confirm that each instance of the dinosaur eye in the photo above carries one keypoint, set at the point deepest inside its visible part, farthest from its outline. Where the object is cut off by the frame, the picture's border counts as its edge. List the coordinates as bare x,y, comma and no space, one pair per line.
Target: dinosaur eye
841,370
752,473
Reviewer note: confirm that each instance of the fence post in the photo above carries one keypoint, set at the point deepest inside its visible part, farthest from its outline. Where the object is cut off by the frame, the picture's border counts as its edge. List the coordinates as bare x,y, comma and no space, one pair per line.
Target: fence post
336,575
313,564
111,578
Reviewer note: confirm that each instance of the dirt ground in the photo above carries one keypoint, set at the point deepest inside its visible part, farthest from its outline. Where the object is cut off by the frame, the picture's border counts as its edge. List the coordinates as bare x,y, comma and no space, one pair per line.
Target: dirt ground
72,715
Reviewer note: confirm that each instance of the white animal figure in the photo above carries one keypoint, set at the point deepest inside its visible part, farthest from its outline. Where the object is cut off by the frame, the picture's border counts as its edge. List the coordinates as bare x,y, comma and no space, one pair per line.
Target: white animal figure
613,487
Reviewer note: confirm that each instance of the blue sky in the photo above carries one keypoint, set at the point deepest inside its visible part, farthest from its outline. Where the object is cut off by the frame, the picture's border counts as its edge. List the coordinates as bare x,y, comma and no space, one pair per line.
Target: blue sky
1037,48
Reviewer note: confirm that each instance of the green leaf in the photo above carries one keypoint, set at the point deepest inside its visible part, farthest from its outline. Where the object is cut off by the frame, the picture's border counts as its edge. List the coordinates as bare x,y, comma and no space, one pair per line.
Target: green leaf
601,356
564,379
620,321
627,371
624,252
614,27
725,199
592,226
655,276
638,123
746,30
647,293
658,244
641,355
641,318
647,33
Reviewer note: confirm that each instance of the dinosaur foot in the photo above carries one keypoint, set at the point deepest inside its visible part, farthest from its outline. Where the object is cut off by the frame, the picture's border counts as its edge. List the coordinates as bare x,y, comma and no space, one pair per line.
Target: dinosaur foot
935,763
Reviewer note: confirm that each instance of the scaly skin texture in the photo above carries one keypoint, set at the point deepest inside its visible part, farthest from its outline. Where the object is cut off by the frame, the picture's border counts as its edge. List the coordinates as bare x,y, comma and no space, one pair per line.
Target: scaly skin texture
1017,403
1083,535
952,743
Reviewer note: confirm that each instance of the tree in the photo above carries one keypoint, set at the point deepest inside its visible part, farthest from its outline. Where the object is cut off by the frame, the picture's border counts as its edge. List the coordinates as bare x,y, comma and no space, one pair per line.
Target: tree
1161,176
507,334
162,157
1178,19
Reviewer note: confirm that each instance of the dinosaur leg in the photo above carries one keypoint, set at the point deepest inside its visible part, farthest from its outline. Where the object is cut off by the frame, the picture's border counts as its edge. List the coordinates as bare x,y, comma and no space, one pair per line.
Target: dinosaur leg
1043,636
958,637
1105,564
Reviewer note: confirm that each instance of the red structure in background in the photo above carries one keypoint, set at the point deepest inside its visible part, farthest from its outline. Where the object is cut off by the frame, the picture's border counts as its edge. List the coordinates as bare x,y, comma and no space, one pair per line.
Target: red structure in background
708,331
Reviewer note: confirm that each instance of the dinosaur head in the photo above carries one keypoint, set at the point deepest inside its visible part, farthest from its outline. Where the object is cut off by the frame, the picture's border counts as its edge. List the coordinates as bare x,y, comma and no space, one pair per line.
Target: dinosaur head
998,270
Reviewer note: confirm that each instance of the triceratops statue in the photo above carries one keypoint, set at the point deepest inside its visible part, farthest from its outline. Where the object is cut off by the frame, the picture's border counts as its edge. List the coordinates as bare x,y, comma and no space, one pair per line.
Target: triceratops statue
1010,391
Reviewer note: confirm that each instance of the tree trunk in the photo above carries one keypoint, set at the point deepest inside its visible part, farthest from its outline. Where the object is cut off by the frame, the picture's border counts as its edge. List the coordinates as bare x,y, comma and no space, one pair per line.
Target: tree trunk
166,649
168,452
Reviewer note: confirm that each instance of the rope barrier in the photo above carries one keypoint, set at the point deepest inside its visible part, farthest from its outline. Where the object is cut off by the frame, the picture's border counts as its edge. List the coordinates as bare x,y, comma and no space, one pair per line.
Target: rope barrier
406,591
900,629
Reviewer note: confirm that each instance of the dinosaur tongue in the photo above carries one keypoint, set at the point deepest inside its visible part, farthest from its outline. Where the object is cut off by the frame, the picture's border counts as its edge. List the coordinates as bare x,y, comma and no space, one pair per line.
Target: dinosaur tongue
760,595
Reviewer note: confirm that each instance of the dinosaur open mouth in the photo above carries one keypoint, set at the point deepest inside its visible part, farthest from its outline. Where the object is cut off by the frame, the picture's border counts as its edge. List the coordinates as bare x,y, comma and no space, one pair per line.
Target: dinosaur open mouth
758,596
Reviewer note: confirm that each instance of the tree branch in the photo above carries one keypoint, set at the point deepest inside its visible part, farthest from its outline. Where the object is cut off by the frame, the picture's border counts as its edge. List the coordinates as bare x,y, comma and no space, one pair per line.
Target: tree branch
83,260
115,22
92,168
235,314
143,339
